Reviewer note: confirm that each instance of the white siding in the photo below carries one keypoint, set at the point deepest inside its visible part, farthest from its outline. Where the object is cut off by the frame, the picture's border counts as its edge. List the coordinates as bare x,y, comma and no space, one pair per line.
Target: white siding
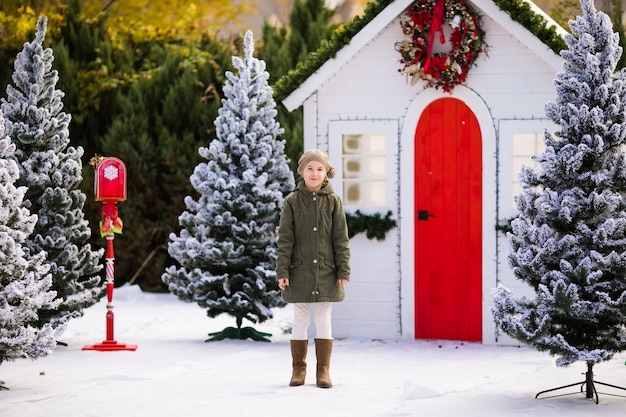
371,308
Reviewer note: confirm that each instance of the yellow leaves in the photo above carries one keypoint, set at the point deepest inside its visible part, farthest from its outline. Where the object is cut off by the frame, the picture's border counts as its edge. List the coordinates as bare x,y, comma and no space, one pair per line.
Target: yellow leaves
130,20
168,20
18,24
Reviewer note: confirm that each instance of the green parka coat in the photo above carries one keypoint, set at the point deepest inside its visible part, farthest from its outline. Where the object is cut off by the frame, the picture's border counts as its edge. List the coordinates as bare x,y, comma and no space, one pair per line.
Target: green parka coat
313,247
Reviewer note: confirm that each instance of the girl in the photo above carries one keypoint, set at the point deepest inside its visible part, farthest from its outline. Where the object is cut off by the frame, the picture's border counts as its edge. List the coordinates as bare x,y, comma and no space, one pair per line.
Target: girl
313,264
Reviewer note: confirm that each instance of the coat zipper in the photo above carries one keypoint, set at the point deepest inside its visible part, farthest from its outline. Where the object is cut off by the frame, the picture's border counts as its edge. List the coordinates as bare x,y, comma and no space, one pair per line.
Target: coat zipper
316,260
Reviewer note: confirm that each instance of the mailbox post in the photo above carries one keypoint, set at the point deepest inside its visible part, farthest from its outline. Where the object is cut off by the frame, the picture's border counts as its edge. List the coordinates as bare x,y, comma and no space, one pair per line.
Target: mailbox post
110,188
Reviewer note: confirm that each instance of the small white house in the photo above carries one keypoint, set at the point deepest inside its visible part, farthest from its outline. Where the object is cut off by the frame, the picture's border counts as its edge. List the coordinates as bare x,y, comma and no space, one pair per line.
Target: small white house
444,163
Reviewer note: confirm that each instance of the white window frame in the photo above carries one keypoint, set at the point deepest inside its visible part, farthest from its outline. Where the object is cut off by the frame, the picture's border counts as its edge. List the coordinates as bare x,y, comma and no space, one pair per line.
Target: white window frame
388,128
508,128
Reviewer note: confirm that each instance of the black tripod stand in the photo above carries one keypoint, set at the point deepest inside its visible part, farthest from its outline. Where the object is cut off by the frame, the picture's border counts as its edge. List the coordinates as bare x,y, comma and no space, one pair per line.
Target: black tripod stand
589,385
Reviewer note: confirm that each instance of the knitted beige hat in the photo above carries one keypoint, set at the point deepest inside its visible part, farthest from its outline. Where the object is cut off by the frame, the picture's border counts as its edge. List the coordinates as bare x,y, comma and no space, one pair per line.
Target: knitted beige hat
319,156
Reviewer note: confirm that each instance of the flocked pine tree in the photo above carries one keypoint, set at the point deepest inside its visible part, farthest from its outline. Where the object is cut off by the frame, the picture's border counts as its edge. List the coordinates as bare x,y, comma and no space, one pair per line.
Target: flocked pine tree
51,170
226,248
24,281
569,241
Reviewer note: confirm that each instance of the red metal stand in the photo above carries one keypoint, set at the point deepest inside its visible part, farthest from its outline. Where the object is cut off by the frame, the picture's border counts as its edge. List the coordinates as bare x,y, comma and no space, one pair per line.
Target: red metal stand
110,344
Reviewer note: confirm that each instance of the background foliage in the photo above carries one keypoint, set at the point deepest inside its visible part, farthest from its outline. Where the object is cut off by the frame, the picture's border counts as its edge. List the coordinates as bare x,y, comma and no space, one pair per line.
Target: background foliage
149,95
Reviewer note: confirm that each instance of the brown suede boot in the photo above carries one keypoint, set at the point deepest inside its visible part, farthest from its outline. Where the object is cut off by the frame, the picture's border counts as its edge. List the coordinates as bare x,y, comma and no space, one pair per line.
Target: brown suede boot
298,362
323,349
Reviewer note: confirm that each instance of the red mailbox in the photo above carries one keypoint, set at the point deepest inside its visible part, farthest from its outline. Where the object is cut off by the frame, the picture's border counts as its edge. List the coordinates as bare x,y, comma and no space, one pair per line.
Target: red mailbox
109,187
110,180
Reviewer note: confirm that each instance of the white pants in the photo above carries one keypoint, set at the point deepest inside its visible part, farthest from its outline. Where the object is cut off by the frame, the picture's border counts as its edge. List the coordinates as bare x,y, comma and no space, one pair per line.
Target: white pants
302,319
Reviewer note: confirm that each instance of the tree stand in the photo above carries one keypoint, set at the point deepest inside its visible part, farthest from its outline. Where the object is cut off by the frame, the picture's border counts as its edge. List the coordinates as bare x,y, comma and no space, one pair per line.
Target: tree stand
241,333
589,385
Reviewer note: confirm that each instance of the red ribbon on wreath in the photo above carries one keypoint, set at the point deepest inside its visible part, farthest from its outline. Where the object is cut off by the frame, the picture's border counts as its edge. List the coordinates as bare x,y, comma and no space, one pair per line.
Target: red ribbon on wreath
434,28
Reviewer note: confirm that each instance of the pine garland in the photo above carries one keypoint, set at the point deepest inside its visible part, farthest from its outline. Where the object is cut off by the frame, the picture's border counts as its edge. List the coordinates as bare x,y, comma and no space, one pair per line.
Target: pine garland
327,50
521,12
374,226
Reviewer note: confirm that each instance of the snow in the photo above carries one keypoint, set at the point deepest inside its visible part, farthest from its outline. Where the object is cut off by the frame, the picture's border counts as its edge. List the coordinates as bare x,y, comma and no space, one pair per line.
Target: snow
174,373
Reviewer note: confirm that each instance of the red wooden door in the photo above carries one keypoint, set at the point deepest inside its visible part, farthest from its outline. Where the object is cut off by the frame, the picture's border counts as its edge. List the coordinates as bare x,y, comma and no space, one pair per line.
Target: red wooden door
448,223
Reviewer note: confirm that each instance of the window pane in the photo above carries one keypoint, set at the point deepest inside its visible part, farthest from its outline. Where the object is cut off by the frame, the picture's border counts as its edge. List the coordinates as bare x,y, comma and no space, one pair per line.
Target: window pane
375,168
351,144
352,193
375,144
525,146
364,169
351,167
375,194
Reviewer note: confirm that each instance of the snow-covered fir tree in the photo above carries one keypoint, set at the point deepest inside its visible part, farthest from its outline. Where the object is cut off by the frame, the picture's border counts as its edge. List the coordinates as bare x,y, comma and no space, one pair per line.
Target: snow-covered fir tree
569,241
226,249
51,171
24,281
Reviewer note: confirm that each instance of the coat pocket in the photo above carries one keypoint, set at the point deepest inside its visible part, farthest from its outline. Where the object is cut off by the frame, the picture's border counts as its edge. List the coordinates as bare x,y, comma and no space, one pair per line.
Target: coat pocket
330,265
295,263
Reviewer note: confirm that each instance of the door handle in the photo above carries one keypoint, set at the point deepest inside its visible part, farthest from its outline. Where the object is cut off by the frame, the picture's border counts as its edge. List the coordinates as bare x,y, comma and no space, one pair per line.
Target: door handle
423,215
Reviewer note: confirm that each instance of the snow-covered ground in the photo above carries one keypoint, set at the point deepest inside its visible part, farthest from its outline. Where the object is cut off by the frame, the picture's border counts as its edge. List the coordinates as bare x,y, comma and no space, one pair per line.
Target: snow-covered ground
174,373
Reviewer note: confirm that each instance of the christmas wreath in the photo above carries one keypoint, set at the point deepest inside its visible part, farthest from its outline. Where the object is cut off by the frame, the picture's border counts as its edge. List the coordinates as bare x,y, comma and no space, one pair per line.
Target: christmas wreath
420,22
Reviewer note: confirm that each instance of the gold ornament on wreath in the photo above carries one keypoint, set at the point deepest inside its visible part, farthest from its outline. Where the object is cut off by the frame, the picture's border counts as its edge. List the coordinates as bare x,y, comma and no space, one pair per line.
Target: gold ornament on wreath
420,22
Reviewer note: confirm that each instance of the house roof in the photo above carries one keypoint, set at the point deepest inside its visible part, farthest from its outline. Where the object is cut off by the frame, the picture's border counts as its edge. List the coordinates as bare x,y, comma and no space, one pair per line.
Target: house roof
535,29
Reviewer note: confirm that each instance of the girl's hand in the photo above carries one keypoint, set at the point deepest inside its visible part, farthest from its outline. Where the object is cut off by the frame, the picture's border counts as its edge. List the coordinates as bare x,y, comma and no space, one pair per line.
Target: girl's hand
342,283
283,283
